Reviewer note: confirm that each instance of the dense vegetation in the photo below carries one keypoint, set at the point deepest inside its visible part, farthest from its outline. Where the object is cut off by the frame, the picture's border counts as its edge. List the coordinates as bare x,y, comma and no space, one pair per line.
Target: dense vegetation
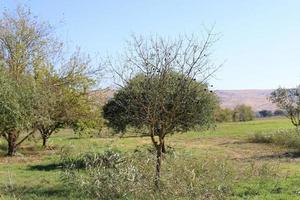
36,94
238,114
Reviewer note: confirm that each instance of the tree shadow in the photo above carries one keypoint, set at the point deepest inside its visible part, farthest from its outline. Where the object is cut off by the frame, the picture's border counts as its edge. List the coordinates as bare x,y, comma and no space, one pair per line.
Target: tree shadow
46,167
71,164
233,142
58,192
289,155
133,136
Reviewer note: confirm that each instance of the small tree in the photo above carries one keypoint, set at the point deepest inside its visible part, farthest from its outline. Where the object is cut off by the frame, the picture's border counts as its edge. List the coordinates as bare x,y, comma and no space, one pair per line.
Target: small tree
223,115
242,113
25,46
63,97
16,110
288,100
168,91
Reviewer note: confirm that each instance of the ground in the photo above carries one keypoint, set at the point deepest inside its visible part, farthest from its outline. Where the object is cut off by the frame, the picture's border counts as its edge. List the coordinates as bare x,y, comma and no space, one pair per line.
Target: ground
33,173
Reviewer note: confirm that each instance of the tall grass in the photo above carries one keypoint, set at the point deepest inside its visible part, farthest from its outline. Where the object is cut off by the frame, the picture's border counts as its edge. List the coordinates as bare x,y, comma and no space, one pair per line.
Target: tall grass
114,175
288,138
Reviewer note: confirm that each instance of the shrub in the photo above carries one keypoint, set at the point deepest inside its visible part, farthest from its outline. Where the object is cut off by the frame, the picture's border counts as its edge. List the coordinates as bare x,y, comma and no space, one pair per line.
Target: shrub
287,138
114,175
242,113
223,115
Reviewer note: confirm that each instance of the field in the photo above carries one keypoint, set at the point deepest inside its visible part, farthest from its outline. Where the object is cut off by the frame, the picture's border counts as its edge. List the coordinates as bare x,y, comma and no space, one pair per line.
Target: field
34,173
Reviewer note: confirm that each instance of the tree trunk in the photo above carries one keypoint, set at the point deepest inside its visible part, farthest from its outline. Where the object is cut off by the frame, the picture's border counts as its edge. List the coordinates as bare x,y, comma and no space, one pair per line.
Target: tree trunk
45,138
163,148
12,144
45,133
158,165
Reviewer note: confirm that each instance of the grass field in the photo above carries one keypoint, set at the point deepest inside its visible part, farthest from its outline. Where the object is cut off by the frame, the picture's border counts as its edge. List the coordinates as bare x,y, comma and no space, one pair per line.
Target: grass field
33,174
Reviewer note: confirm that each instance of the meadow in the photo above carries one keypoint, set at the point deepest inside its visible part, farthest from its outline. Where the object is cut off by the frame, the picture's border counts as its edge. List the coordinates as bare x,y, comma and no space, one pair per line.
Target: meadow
35,172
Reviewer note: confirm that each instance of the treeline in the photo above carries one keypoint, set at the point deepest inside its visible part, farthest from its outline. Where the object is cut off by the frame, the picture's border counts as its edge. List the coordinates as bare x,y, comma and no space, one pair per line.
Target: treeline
243,113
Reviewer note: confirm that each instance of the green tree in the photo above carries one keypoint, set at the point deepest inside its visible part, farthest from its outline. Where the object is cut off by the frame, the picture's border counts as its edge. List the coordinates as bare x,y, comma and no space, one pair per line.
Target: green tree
63,98
223,114
28,48
17,100
288,100
242,113
168,92
25,46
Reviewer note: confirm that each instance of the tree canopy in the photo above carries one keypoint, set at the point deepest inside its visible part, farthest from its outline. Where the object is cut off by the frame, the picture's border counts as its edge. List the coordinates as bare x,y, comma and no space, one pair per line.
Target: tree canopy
288,100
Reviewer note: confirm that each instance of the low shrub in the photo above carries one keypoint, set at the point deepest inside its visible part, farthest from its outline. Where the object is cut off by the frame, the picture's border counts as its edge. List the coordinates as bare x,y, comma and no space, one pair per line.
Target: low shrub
113,175
287,138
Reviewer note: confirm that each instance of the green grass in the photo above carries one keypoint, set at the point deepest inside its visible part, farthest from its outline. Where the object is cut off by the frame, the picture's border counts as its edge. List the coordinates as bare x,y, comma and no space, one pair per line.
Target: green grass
33,175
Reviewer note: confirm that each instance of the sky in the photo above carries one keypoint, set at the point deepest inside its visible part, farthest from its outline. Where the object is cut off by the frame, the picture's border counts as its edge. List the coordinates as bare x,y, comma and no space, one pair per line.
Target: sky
259,43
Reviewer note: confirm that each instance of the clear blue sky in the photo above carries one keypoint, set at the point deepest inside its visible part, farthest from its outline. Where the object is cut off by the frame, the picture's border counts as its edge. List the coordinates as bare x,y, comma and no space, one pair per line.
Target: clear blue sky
260,39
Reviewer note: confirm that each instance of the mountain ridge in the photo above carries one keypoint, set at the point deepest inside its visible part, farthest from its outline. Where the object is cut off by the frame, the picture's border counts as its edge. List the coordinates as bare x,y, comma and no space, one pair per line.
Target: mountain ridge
256,98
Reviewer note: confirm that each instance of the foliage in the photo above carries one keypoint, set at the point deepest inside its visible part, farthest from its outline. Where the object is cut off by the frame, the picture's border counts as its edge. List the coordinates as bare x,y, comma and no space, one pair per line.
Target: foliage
113,175
25,46
64,101
288,100
16,108
195,109
287,138
29,49
223,114
25,43
242,113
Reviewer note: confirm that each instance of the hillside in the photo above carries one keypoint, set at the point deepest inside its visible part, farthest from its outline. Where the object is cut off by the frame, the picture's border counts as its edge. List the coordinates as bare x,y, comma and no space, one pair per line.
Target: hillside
257,99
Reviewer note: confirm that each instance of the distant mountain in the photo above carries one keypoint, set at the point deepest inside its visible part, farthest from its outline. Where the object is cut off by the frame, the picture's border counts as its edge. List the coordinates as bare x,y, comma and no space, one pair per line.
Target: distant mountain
257,99
101,96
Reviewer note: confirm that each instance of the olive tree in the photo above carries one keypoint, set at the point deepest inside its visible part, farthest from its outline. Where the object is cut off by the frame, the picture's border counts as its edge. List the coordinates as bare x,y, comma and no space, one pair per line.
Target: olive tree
288,100
163,88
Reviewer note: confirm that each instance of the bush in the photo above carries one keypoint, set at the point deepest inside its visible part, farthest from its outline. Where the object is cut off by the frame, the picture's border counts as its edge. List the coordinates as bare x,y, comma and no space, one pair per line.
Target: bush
287,138
223,115
242,113
114,175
